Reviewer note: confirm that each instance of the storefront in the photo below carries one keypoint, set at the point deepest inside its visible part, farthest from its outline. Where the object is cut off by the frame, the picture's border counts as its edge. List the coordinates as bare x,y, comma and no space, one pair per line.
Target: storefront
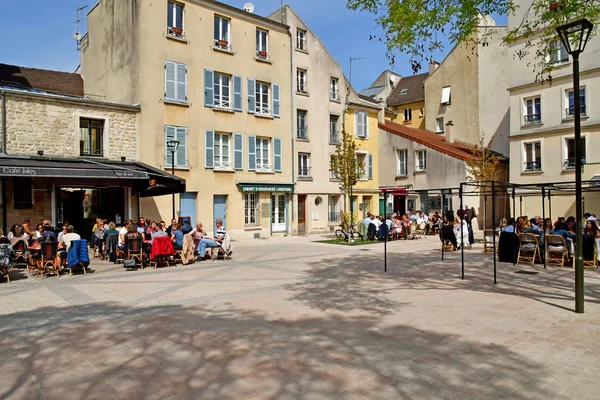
394,198
268,205
77,191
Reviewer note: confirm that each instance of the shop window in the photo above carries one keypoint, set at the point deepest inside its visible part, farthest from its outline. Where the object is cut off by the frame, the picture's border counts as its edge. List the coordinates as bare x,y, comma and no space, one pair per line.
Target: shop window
22,197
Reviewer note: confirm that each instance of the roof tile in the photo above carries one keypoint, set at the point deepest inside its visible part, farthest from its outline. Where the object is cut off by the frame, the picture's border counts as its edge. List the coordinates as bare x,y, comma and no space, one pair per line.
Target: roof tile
56,82
415,90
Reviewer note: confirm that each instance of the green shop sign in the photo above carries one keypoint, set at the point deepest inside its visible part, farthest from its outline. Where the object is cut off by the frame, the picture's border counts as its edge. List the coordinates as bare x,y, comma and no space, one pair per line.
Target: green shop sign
257,187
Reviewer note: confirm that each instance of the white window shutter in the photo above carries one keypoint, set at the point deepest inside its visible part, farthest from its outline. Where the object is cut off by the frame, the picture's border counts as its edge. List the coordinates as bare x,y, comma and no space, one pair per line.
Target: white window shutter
181,154
181,83
169,135
169,80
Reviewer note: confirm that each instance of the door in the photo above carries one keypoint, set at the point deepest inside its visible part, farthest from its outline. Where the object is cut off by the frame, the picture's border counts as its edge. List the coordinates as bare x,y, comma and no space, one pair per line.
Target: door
187,206
382,207
400,205
220,210
301,214
367,206
278,213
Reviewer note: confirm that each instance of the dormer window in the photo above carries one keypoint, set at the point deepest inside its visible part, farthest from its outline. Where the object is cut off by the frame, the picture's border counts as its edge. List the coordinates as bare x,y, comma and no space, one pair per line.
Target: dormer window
403,91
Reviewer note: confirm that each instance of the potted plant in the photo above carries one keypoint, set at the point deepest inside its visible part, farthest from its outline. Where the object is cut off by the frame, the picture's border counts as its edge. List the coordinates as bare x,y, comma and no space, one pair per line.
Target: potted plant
177,31
223,43
554,5
262,53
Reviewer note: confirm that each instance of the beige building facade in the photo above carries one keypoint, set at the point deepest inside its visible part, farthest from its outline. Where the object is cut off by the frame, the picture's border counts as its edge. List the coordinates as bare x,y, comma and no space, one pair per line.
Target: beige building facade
218,80
542,130
465,96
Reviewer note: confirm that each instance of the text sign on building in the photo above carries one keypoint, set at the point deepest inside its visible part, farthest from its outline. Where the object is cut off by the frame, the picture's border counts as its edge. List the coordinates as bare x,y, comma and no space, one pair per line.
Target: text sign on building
270,189
72,173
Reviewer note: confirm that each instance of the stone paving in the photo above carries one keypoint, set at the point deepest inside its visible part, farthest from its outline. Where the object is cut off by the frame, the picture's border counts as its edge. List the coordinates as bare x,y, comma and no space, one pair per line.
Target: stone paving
287,318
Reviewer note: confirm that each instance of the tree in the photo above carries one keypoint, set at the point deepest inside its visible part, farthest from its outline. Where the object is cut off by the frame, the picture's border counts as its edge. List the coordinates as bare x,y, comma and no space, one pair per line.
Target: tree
483,168
345,166
417,27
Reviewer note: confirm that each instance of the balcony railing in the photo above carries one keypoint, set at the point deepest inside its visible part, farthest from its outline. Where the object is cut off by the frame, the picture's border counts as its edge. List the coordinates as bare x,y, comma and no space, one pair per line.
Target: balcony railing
334,216
570,163
223,165
301,133
222,103
304,172
533,166
262,55
175,32
89,151
264,167
334,94
570,112
532,119
222,45
301,87
334,137
262,109
421,167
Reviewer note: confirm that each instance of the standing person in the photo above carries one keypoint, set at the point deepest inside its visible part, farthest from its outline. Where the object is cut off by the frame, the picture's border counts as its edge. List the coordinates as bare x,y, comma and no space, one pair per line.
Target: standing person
470,215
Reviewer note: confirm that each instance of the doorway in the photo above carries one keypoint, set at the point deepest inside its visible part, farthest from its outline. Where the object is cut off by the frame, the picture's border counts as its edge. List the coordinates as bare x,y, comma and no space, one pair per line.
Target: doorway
301,214
400,205
278,213
220,210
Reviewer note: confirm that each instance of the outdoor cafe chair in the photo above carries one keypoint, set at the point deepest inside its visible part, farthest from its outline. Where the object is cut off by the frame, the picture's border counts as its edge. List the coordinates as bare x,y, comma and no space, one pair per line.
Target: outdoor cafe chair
594,261
488,240
529,249
162,251
20,254
7,259
556,250
47,262
135,250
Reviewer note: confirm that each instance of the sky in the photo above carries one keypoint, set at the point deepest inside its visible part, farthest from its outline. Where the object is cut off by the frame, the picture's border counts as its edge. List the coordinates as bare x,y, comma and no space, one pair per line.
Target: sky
45,38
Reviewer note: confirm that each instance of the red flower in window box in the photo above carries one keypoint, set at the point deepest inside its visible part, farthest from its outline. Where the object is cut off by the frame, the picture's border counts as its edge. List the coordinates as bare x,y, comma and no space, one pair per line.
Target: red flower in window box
223,43
262,53
554,6
177,31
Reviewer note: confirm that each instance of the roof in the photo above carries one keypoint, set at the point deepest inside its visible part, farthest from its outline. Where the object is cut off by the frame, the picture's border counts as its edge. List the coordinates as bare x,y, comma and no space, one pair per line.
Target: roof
65,83
430,139
372,91
413,88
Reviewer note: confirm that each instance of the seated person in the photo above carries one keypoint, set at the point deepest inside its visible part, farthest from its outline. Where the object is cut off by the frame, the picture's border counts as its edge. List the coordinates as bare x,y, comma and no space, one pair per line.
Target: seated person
48,234
214,242
133,233
186,227
65,244
197,234
123,234
161,232
177,237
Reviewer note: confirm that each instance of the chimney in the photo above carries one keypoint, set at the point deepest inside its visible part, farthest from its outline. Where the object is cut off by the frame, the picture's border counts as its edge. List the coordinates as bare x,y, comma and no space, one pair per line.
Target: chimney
433,65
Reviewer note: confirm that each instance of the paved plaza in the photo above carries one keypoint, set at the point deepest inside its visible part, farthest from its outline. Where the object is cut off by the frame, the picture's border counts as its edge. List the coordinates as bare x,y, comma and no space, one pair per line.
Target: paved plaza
288,318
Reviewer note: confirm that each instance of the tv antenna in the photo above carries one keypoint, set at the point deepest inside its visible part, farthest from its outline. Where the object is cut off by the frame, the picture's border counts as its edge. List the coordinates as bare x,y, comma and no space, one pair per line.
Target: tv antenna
353,59
76,34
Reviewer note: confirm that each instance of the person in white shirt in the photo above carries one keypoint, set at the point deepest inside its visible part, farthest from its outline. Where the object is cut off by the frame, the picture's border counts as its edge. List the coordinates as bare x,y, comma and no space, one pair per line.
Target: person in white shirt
377,222
123,234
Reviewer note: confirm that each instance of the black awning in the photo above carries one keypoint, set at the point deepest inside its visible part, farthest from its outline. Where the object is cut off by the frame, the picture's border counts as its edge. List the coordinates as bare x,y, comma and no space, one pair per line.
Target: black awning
147,180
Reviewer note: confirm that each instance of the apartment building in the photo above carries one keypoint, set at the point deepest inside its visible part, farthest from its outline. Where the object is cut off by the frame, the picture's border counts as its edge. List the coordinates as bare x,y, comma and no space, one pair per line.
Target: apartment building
215,78
319,99
406,103
465,95
542,145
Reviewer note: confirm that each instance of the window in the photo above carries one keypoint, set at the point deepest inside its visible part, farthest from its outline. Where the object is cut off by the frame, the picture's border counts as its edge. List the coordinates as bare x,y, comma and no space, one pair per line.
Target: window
303,166
334,91
402,162
301,81
569,152
332,207
222,160
222,33
91,140
446,95
262,98
421,160
262,40
557,53
222,97
302,124
570,110
176,133
533,156
421,112
251,209
263,148
301,39
175,82
533,111
407,114
361,159
439,123
175,19
362,126
333,129
332,172
403,91
22,194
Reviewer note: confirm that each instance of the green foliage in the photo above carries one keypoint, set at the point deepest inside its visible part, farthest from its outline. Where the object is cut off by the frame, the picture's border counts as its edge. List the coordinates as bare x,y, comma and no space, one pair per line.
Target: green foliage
484,166
344,164
417,27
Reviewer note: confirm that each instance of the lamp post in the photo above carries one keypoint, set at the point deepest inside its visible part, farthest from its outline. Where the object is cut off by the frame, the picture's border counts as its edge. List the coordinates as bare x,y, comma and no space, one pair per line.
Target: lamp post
172,146
574,37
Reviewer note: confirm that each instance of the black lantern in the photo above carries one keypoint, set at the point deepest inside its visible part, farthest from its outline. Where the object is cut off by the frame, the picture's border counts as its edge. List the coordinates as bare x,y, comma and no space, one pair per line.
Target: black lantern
574,35
172,146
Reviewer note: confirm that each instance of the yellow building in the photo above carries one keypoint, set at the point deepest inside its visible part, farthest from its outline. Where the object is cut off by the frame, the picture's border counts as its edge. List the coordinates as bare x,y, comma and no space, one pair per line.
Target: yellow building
361,122
406,103
216,79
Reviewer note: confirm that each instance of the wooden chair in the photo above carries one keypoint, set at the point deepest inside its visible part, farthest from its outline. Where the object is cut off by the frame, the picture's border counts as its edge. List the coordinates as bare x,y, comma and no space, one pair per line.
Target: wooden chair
216,252
414,232
135,250
594,262
488,240
47,263
20,255
529,248
556,250
421,229
446,244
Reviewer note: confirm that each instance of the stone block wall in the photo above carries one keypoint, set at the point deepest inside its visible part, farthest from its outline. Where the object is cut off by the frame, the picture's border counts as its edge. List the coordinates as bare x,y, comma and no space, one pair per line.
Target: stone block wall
41,208
52,125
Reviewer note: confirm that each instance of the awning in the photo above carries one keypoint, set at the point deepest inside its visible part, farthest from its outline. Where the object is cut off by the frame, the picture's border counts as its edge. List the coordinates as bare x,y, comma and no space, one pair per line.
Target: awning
267,187
393,190
147,180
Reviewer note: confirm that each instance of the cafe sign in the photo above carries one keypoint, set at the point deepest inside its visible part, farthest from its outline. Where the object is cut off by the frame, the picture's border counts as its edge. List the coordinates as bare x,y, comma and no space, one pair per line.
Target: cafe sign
72,173
271,188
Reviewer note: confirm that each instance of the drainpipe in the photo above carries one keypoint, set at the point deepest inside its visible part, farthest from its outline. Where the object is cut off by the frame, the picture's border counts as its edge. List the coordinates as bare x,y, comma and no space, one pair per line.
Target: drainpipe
292,123
3,134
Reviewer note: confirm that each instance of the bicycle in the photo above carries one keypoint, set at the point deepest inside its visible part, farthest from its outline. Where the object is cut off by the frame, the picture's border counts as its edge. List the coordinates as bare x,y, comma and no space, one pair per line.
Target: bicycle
343,234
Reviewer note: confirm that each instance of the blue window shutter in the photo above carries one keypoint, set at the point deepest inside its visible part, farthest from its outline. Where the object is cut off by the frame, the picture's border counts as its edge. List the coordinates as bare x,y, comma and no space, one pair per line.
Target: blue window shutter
277,154
209,91
276,103
370,166
237,93
169,80
169,135
251,96
251,153
209,149
181,154
238,151
181,83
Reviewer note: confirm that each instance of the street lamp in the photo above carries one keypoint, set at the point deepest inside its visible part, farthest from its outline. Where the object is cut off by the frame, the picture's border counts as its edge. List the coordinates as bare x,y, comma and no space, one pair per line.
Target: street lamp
172,146
574,37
